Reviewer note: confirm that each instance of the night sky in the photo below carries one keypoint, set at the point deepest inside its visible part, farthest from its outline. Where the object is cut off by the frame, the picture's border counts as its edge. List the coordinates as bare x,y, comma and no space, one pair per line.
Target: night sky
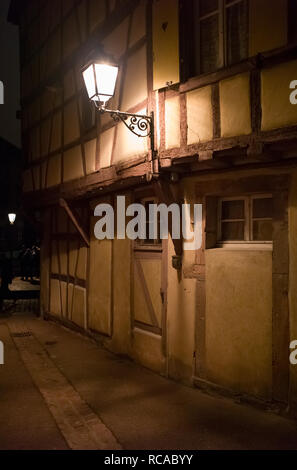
9,75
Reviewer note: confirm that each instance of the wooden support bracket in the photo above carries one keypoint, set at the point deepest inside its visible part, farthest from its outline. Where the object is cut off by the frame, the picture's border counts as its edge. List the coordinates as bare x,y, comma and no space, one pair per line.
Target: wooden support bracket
165,195
76,221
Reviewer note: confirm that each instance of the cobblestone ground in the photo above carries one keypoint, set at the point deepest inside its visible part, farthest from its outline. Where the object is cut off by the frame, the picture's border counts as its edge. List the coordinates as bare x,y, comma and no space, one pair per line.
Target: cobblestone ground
60,390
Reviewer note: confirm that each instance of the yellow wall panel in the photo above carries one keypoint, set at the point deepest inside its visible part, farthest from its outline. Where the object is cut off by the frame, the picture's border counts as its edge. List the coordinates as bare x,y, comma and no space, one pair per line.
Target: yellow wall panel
128,145
90,155
56,131
172,122
69,84
54,258
135,74
235,106
55,301
147,349
293,280
79,306
115,44
268,25
277,111
71,122
63,286
70,35
73,166
97,13
199,115
35,143
54,171
63,257
106,142
239,320
81,271
45,136
73,254
165,42
100,283
43,174
138,29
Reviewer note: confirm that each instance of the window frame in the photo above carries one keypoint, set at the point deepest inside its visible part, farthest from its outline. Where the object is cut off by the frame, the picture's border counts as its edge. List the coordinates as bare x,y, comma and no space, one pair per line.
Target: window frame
191,63
248,221
140,245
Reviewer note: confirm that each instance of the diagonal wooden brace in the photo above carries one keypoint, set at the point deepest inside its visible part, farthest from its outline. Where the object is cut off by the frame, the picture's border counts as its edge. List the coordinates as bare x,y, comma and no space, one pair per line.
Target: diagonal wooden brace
165,194
74,217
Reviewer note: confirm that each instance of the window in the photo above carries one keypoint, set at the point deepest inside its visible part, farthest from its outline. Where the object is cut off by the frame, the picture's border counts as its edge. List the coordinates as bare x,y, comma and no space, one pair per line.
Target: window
245,219
148,224
217,32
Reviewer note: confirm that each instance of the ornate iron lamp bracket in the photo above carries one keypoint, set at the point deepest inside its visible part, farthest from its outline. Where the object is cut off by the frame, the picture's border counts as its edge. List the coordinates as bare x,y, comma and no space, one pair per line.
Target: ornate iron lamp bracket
140,124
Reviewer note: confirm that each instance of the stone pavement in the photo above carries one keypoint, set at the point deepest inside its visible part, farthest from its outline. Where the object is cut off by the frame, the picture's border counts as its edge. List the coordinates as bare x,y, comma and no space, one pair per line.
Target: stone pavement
60,390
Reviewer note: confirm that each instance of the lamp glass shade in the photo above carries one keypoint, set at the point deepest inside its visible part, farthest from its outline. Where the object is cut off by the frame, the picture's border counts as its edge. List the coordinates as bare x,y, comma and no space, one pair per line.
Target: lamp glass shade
11,217
100,80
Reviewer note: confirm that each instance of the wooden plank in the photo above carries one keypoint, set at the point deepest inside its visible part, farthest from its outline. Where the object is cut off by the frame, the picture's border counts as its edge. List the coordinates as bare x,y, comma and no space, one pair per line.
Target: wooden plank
165,195
76,222
147,296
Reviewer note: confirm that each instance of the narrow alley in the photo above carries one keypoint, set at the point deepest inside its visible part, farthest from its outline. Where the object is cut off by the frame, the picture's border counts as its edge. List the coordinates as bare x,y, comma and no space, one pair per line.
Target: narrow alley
61,390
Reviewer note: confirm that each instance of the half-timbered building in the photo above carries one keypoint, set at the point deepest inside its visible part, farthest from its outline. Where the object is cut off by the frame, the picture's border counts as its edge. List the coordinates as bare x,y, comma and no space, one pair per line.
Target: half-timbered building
217,75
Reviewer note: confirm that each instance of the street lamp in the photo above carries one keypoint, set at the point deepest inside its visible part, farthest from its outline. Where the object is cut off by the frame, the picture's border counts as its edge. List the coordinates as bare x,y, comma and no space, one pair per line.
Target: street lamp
100,80
11,218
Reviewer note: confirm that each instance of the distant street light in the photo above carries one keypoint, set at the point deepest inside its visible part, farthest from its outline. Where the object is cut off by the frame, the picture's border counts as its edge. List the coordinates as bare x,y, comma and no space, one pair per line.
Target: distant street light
11,218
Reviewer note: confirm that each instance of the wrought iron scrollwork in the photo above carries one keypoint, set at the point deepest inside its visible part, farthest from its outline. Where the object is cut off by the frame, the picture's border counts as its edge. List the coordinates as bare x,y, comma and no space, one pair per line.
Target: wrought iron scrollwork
139,124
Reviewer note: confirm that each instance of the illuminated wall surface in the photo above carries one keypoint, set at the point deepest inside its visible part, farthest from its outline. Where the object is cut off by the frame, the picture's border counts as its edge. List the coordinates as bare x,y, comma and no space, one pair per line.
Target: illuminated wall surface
227,316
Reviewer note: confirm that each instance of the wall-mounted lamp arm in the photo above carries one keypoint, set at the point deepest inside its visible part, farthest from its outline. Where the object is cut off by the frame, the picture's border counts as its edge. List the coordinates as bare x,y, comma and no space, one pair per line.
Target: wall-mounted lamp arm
141,125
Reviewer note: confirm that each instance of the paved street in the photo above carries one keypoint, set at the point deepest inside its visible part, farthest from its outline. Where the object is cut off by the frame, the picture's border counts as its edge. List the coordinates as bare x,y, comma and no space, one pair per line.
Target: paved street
60,390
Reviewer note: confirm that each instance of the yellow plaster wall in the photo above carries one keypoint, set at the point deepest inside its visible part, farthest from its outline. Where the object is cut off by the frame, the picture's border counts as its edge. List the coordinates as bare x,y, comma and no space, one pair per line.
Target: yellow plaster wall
136,73
55,300
121,268
106,142
199,115
63,256
73,165
239,320
165,43
128,145
71,122
172,122
277,111
115,44
293,282
56,133
54,171
100,282
81,271
138,28
181,306
90,155
79,306
268,25
235,106
97,13
147,349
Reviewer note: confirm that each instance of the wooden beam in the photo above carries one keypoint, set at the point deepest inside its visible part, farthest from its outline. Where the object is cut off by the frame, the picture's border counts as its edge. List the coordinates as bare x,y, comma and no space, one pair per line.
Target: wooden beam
165,195
75,220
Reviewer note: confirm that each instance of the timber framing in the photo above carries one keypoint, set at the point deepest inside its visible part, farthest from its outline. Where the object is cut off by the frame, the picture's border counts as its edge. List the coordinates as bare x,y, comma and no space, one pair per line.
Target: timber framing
76,221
